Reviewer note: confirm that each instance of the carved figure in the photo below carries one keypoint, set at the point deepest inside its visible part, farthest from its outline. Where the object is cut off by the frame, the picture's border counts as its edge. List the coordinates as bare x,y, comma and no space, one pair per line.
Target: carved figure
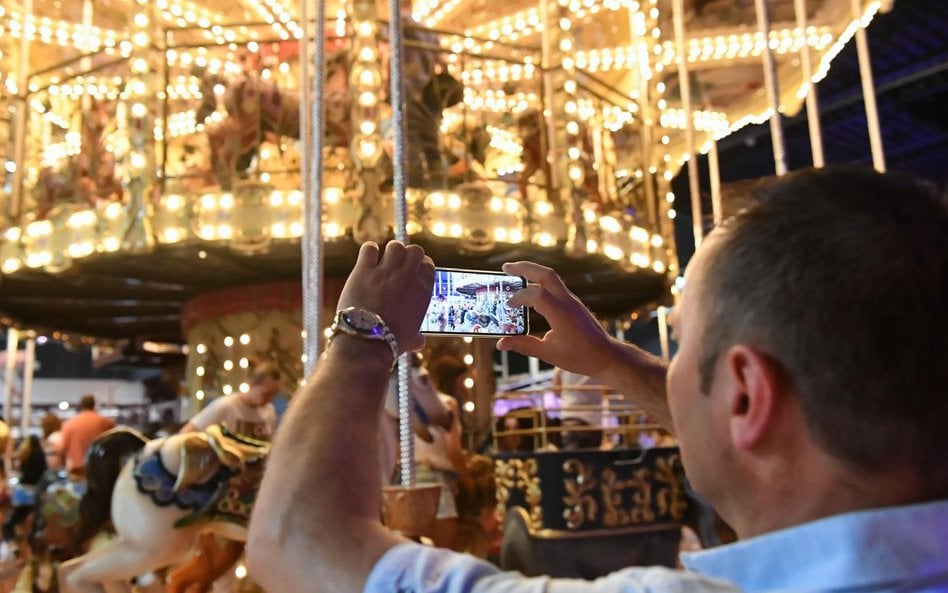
160,495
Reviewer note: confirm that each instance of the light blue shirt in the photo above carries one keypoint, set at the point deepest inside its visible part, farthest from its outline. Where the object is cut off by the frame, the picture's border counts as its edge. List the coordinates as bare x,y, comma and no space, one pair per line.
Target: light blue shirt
898,549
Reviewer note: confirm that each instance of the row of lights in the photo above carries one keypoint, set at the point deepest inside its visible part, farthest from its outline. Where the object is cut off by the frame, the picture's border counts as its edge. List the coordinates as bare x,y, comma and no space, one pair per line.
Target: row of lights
705,49
185,13
491,72
71,233
57,32
365,82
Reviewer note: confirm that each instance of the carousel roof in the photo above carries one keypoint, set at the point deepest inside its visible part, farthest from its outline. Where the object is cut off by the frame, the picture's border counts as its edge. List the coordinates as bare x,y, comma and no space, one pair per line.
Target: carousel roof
116,227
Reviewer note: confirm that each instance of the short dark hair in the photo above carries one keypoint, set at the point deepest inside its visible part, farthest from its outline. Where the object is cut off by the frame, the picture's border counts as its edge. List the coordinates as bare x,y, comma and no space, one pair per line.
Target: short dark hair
263,371
840,275
87,402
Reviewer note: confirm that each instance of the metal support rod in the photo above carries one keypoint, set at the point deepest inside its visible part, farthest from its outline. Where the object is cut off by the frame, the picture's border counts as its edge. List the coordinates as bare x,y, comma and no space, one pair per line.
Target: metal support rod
646,113
26,399
812,98
13,340
86,63
773,88
663,333
166,110
311,121
684,87
406,436
868,90
547,120
19,121
714,172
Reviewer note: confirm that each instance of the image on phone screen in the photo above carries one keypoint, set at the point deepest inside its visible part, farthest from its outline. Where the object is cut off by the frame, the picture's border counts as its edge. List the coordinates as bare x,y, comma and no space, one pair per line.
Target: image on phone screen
474,303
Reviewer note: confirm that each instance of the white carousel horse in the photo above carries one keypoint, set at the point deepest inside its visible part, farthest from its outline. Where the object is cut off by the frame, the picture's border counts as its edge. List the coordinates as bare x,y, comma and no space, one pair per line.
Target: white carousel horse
161,495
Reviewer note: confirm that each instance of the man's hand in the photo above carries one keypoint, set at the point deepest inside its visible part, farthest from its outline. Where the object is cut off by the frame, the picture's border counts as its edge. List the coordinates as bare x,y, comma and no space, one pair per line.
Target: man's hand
396,287
576,341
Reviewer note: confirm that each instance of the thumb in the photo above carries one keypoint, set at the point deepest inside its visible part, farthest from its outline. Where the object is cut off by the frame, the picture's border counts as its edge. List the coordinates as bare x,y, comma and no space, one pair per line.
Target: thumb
528,345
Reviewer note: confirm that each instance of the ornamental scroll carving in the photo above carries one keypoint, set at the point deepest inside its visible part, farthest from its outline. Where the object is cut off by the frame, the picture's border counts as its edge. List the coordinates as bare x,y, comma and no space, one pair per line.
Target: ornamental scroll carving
520,475
644,496
579,502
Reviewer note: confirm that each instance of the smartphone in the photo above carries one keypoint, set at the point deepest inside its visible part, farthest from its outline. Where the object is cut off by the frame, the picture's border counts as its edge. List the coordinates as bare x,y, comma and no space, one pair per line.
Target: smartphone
474,303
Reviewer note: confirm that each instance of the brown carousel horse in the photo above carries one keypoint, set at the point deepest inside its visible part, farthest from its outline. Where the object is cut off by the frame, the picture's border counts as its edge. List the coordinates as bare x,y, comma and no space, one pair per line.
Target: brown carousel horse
161,495
87,177
529,125
258,109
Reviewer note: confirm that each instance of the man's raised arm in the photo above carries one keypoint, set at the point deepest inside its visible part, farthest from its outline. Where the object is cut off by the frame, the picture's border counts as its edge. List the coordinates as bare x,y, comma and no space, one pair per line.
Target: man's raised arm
316,523
578,343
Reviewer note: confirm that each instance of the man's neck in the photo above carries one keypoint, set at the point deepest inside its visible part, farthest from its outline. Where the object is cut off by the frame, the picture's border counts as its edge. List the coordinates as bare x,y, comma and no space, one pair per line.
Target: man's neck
819,489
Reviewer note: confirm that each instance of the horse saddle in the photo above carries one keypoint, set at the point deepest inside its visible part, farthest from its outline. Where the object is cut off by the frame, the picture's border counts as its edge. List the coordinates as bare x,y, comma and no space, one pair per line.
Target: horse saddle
203,454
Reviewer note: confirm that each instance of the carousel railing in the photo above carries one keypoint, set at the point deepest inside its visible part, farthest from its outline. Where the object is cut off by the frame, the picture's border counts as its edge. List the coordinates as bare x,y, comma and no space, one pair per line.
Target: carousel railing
621,424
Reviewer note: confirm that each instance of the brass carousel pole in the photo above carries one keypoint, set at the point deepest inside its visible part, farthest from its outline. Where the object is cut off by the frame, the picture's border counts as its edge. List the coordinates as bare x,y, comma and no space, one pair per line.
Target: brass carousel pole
812,102
714,173
19,120
684,87
662,313
400,179
311,121
773,88
26,398
868,90
646,114
13,337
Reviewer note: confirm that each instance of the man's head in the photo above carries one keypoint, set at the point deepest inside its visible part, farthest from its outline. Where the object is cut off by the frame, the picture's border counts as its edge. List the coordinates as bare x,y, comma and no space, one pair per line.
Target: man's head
836,284
87,402
264,384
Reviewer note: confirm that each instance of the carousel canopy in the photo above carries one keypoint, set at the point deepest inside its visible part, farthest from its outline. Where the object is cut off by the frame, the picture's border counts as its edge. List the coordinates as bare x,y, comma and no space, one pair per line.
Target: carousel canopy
155,148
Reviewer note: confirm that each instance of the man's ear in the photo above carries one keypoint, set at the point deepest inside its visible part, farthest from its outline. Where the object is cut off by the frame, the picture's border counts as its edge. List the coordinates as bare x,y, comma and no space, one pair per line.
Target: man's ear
755,392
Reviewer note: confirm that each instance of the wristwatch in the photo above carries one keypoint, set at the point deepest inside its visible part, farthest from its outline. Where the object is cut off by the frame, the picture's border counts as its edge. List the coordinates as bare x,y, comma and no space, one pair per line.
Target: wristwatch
366,325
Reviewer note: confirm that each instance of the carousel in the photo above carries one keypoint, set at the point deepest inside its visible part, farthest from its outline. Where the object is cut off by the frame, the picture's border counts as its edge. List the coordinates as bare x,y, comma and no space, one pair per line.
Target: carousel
191,181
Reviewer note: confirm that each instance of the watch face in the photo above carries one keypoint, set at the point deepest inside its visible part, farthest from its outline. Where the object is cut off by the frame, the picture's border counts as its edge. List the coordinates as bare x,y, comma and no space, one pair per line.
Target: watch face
362,320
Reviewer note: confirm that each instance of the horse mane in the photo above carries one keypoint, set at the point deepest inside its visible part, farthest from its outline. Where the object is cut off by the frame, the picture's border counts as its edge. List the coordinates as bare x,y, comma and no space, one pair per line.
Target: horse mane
104,462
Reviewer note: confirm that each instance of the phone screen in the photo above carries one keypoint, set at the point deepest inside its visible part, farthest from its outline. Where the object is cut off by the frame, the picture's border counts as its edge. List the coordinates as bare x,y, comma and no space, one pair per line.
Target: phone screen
474,303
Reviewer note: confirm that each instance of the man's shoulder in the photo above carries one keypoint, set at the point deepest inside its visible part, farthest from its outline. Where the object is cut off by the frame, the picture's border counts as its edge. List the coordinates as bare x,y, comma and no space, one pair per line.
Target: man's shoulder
413,567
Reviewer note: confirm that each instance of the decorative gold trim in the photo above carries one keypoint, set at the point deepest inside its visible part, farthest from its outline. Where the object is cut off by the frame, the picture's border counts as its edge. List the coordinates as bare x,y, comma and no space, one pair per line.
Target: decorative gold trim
579,503
584,533
520,474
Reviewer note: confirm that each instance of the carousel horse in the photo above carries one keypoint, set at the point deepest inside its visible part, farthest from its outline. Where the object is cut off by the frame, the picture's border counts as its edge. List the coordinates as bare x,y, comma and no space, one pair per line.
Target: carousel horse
88,177
529,125
161,495
258,109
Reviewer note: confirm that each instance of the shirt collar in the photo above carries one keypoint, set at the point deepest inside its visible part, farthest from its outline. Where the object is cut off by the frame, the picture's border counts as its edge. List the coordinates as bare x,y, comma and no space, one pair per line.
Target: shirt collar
851,550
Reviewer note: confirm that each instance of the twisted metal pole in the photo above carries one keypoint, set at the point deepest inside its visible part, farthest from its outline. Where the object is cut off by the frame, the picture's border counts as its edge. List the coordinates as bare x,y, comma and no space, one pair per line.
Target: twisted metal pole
312,122
399,174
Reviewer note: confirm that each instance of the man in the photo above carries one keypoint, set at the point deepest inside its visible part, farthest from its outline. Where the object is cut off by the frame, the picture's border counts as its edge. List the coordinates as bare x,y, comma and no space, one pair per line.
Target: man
78,433
808,394
251,413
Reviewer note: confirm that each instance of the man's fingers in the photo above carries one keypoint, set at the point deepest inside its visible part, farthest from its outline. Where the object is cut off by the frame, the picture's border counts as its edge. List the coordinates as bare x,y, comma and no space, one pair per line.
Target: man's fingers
394,252
414,255
538,274
368,256
527,297
540,300
527,345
